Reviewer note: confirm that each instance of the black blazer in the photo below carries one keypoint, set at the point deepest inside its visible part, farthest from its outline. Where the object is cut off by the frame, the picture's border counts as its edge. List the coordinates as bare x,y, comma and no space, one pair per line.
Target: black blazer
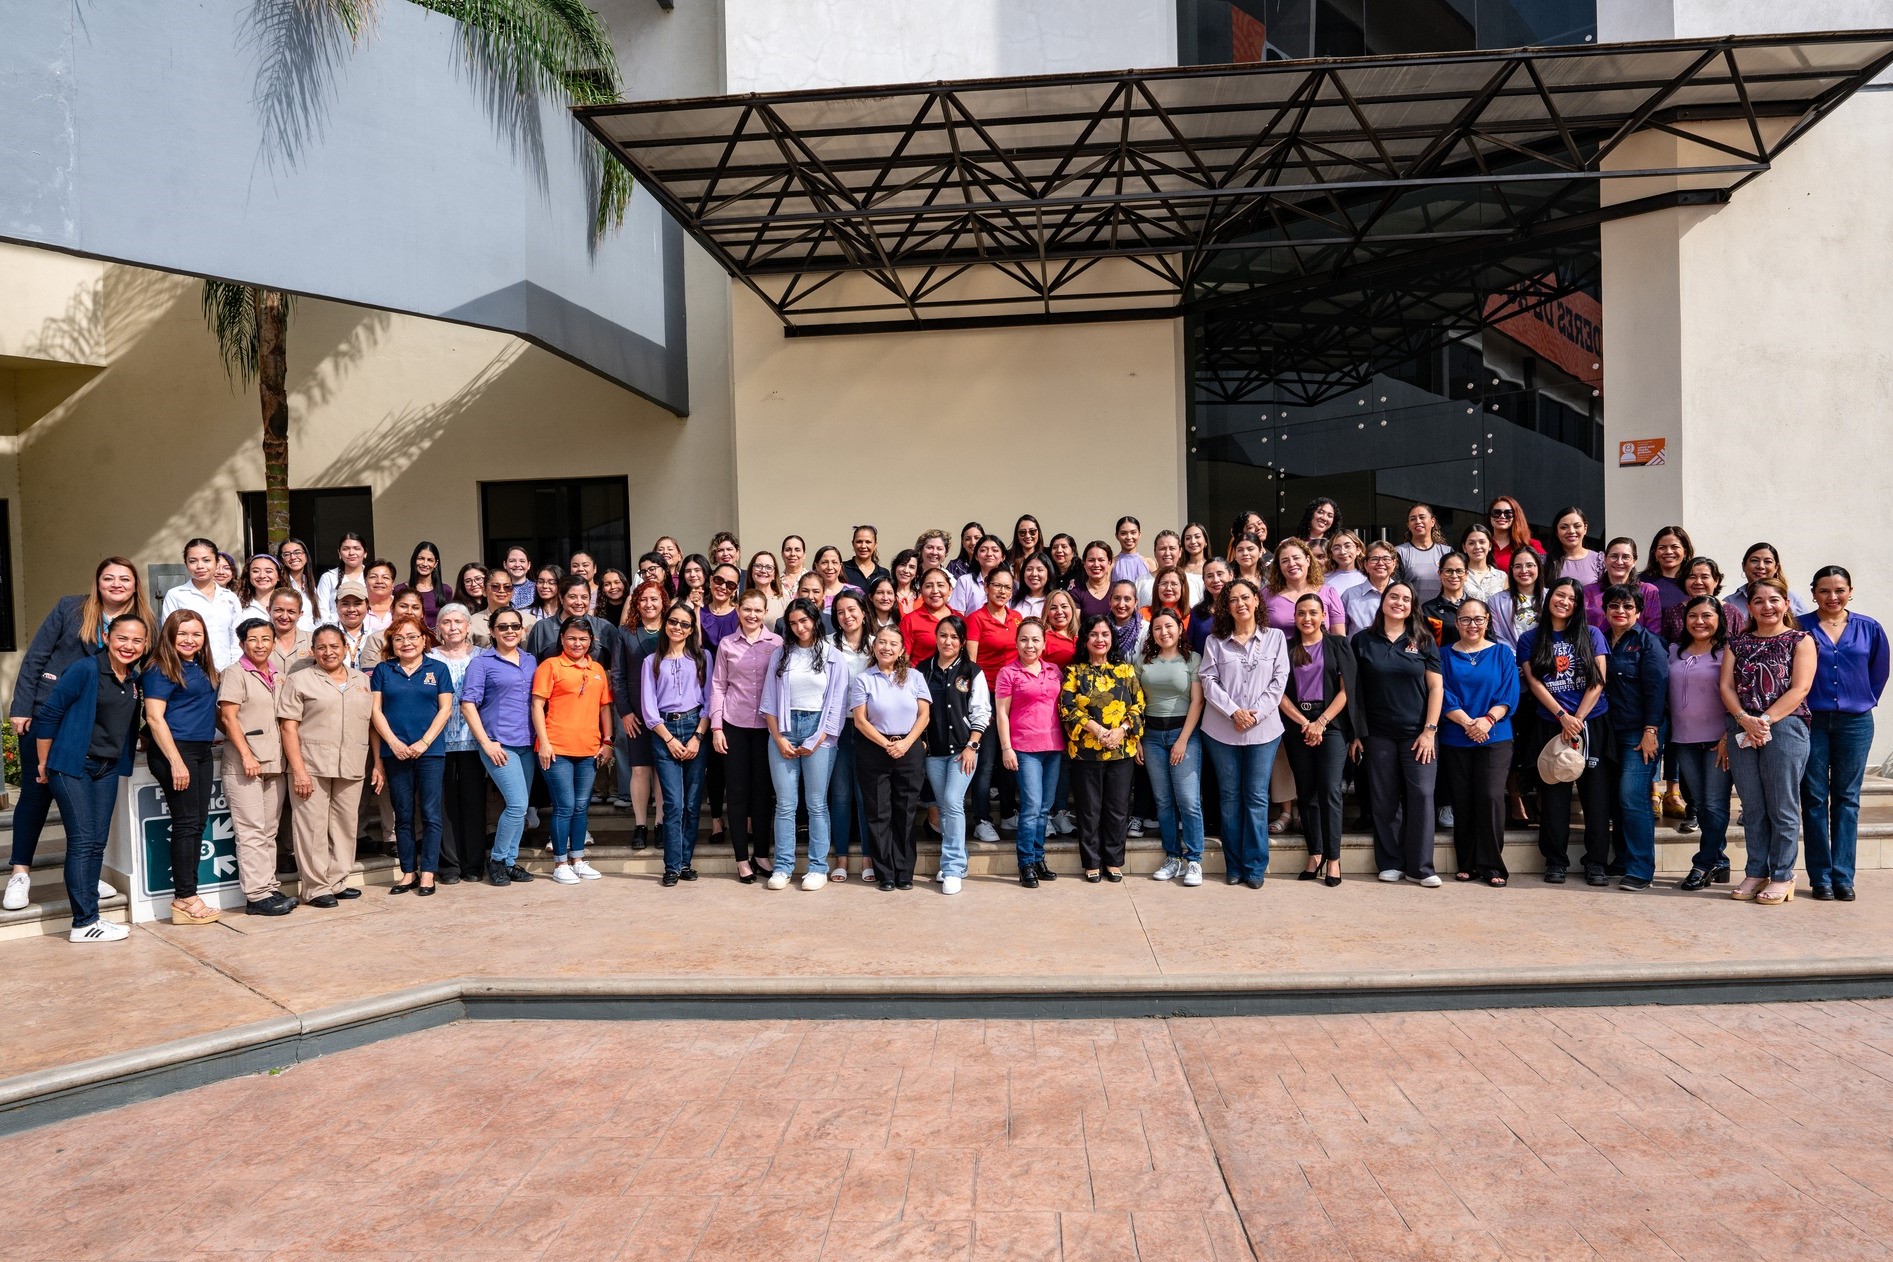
56,646
1337,668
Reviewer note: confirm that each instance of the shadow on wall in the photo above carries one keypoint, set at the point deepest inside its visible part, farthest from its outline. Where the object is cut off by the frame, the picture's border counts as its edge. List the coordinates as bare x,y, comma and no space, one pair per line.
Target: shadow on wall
382,454
105,317
365,329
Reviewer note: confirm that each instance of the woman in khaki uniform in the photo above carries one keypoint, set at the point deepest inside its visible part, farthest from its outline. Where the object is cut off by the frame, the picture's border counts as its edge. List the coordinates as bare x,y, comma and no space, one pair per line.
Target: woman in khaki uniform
253,765
290,643
325,711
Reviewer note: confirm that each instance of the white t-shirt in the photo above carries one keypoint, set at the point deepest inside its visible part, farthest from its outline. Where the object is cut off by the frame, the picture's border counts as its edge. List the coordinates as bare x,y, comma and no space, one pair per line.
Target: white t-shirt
221,612
802,687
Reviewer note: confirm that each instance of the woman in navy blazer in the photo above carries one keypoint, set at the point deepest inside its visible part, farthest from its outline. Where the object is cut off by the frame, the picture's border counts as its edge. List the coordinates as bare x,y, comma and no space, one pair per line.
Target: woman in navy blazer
85,732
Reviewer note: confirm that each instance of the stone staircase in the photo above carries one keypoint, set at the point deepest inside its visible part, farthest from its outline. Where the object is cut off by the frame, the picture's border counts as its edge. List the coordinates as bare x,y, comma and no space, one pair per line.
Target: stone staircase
610,851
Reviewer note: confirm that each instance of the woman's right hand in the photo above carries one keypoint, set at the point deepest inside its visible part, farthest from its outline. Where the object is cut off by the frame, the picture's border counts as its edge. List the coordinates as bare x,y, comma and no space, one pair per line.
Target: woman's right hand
1571,726
1354,751
1010,759
251,768
545,760
496,753
302,786
20,726
180,777
784,748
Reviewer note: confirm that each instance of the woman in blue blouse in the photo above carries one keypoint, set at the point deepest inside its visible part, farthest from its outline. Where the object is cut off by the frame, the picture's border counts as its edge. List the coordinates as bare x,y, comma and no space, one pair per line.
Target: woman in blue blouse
1637,687
1851,672
85,730
1480,679
180,689
414,699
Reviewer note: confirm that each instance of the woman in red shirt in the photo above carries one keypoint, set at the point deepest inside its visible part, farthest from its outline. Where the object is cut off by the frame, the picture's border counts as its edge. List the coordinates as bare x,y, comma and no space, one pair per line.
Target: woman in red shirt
1510,532
916,628
992,635
1061,628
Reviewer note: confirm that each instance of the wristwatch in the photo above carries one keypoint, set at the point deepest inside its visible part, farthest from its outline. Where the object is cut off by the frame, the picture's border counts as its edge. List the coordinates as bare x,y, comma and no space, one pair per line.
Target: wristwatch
1432,727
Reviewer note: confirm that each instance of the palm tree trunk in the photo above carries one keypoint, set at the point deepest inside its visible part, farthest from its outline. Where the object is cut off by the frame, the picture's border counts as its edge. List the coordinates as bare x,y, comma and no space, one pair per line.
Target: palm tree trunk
273,390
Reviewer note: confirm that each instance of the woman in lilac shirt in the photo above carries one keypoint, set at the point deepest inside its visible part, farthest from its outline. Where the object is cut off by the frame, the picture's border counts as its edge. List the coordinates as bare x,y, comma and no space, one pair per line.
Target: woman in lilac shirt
1620,569
890,703
496,700
738,732
1698,734
1849,675
673,686
1244,672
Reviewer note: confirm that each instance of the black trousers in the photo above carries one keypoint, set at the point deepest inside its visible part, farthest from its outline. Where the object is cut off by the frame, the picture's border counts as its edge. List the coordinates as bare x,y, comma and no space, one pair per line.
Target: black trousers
1101,807
1477,777
1593,789
890,791
189,808
1318,771
1403,806
463,847
752,794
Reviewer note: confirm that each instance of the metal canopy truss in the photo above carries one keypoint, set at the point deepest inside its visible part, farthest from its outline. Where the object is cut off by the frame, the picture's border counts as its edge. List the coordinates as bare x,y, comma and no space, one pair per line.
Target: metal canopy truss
1304,208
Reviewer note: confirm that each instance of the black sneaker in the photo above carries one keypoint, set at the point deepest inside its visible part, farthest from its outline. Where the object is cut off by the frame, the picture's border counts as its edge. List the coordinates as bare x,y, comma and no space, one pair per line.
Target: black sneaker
688,874
1597,876
1633,884
497,875
274,905
517,875
670,877
640,838
1554,876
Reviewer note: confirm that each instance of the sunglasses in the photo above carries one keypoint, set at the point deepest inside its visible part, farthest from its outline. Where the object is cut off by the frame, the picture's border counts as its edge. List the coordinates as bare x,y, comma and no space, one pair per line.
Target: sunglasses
720,581
507,626
1500,512
681,624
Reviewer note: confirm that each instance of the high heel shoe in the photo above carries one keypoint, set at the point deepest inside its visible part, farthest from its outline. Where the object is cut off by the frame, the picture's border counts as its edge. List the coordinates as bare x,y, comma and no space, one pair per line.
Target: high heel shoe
1309,874
1746,893
1332,879
1762,898
185,916
749,877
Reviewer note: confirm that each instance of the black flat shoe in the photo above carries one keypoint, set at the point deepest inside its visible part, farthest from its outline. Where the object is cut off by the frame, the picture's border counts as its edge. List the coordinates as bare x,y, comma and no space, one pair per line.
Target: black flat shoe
425,891
403,887
886,887
452,879
1844,893
1114,878
1554,876
347,892
670,877
1045,872
518,875
323,900
1028,877
1821,893
274,905
1253,882
903,885
1092,878
1697,879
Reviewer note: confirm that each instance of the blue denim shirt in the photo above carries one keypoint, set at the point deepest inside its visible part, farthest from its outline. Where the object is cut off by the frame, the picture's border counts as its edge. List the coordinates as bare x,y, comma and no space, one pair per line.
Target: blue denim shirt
1637,682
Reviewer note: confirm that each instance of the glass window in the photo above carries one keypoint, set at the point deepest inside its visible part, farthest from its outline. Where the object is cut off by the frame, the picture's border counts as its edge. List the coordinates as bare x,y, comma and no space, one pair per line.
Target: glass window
1535,23
553,519
8,632
318,517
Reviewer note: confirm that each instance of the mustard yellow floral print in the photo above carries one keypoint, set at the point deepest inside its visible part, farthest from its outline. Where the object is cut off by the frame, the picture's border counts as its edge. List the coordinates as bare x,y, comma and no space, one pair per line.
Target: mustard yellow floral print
1109,696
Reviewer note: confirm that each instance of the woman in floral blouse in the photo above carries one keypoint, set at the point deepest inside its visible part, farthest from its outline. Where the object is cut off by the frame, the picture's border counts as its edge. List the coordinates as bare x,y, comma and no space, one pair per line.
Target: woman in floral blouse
1102,707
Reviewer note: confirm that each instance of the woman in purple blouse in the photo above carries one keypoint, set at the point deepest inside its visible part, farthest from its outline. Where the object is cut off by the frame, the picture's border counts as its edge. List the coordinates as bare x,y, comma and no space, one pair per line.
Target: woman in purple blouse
1851,662
1244,672
674,687
1766,675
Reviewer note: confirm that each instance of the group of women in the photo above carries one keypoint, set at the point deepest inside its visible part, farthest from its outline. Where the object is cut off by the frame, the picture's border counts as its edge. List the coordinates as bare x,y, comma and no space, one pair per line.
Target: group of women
838,702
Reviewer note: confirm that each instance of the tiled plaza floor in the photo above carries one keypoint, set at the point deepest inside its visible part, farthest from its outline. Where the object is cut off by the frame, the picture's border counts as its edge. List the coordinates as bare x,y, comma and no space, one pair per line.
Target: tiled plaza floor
66,1003
1761,1131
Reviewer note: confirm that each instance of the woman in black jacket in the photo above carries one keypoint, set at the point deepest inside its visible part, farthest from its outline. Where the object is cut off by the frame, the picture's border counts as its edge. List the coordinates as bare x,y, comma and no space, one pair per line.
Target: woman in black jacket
1317,729
74,631
956,725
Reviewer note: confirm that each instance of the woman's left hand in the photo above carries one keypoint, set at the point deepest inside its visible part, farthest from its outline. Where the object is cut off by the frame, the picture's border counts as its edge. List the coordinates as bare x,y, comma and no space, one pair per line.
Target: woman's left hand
180,777
1648,747
1423,748
969,759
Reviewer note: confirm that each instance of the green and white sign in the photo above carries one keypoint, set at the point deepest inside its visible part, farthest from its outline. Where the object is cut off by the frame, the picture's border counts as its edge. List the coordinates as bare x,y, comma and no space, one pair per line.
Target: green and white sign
216,854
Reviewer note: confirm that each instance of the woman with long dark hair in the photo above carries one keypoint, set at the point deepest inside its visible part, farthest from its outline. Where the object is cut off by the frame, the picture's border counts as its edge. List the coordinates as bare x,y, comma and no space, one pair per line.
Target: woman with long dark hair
1244,674
992,634
1092,591
1102,708
1766,676
1066,572
674,690
1401,692
1027,539
496,703
957,719
216,604
738,732
261,575
352,552
1564,659
1320,520
1318,731
916,629
1699,733
425,577
847,820
180,687
1034,585
1637,684
803,697
1216,575
1574,560
965,563
906,571
1851,671
413,703
293,556
969,589
1247,522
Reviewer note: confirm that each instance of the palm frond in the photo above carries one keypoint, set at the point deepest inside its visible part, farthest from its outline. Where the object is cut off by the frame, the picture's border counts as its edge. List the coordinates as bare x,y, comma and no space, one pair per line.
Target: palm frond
230,313
356,16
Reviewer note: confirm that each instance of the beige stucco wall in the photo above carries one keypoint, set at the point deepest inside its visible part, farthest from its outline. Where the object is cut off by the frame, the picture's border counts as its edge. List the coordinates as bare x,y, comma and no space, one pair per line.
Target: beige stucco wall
155,448
1076,424
1753,337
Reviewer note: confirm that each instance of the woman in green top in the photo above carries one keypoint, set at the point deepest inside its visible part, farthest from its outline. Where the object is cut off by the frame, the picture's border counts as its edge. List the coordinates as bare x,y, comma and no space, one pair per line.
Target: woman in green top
1102,709
1173,703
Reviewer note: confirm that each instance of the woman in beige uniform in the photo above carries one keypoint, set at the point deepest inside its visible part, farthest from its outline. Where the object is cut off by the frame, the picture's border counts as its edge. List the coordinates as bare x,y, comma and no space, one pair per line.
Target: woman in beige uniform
290,643
253,764
325,711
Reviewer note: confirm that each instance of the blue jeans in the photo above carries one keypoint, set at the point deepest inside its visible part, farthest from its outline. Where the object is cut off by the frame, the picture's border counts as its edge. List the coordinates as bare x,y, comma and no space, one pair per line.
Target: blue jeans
682,786
1038,782
949,783
1707,788
1242,776
992,766
846,817
570,782
85,808
1769,780
1830,793
1636,818
31,807
805,778
1178,790
414,785
514,781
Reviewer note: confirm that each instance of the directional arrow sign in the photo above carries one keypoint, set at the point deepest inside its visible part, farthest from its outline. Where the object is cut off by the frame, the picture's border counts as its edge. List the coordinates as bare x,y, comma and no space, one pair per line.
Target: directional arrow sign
225,865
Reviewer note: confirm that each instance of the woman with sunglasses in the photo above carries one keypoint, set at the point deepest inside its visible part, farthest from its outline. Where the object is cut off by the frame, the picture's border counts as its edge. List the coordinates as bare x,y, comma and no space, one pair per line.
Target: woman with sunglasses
1510,532
496,702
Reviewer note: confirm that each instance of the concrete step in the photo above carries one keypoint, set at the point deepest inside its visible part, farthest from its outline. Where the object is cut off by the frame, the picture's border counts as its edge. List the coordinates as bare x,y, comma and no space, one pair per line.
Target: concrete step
54,915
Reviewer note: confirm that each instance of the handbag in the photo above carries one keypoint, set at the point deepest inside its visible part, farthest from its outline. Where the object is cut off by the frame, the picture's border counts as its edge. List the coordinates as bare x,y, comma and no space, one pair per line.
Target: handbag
1561,762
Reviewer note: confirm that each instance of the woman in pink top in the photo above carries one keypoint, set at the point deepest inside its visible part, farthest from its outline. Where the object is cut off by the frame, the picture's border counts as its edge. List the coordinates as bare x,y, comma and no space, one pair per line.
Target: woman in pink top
740,733
1296,573
1032,742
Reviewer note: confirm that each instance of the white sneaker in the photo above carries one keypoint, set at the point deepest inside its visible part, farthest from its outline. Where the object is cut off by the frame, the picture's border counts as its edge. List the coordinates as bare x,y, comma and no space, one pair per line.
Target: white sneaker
1192,873
585,870
1136,828
813,880
564,875
951,885
1393,874
1171,869
100,931
984,831
19,885
778,880
1431,882
107,890
1010,823
938,877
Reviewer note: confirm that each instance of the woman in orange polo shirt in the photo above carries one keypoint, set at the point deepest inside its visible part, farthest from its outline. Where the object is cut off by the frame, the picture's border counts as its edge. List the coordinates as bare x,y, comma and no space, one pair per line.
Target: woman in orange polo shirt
571,726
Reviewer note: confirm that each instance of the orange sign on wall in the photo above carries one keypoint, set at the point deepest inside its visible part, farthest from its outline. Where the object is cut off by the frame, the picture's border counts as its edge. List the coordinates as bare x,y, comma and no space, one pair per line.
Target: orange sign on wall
1248,38
1568,332
1638,453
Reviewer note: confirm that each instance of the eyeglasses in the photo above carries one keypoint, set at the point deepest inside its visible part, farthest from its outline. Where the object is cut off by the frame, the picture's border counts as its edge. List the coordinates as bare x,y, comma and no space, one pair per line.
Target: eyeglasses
1455,571
681,624
1620,606
1473,620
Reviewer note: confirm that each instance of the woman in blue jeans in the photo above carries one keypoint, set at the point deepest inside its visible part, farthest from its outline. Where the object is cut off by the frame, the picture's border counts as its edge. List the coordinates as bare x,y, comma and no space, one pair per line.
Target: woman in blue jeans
496,699
1699,734
1031,742
1636,680
846,819
674,688
571,722
957,719
414,698
1766,675
803,712
84,732
1244,673
1851,655
1171,752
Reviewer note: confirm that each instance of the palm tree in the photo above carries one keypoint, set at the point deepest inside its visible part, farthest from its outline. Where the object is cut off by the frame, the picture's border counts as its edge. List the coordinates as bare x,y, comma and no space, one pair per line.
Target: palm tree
529,47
